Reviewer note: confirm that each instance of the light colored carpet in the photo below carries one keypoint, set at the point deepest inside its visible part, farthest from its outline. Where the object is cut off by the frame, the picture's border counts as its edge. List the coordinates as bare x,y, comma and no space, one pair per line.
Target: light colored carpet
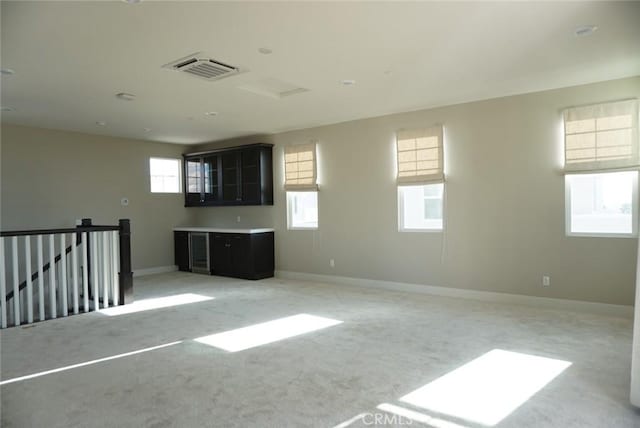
388,345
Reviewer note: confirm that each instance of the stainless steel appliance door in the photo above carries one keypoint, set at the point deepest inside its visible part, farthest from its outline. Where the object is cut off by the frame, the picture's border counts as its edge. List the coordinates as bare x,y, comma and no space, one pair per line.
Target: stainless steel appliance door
199,246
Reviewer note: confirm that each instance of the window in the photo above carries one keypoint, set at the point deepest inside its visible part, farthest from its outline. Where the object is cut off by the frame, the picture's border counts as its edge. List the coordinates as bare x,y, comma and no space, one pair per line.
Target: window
302,210
420,207
164,175
420,155
300,184
602,204
420,179
599,141
602,136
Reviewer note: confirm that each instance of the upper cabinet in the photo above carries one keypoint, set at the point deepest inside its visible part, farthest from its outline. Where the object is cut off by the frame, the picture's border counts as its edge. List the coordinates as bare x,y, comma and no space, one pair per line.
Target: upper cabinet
240,175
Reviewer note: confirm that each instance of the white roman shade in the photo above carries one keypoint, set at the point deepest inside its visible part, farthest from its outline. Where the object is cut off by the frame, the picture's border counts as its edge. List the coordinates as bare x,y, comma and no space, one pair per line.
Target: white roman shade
420,155
300,167
601,136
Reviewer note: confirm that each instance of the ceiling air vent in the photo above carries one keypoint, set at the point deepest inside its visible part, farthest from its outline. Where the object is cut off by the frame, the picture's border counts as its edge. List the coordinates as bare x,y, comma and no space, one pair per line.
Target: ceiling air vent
200,65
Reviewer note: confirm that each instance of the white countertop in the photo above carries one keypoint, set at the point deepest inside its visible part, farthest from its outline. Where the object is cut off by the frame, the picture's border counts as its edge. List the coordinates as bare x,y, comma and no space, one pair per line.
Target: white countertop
221,230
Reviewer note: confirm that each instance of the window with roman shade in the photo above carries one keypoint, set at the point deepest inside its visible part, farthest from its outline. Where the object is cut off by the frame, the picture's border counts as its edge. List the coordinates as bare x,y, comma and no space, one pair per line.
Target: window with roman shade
601,136
420,156
300,167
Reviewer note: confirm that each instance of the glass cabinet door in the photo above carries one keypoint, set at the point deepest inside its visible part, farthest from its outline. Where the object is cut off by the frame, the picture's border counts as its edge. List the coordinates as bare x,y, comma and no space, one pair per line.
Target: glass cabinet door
230,179
194,180
250,164
211,179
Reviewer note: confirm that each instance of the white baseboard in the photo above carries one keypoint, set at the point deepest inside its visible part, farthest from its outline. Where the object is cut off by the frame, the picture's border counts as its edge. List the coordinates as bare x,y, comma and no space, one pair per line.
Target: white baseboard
489,296
154,270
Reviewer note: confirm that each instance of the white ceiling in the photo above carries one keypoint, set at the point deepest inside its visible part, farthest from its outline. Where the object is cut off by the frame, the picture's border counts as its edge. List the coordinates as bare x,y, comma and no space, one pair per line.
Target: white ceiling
71,58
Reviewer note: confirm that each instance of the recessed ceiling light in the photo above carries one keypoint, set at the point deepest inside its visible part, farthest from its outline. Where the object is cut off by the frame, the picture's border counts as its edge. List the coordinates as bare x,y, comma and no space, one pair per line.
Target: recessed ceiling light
211,113
101,123
7,109
348,82
126,96
585,30
265,51
7,72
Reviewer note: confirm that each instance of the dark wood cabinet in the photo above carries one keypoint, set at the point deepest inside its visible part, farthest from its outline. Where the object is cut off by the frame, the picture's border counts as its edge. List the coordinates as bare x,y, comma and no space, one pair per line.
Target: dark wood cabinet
181,250
193,185
240,255
232,255
233,176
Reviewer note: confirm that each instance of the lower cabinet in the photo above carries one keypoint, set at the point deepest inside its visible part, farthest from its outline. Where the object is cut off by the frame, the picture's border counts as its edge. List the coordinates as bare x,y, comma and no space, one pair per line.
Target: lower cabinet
240,255
181,250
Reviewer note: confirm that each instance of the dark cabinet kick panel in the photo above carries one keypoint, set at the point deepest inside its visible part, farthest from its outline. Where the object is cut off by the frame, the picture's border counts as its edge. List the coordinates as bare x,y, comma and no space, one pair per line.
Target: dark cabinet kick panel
239,255
240,175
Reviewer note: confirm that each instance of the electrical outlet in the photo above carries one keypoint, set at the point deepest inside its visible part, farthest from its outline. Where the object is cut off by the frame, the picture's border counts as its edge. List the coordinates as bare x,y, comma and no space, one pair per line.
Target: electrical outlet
332,263
546,280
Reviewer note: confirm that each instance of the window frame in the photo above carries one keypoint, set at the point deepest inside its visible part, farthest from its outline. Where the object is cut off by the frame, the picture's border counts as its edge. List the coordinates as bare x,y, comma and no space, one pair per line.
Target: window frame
289,198
181,188
634,209
401,210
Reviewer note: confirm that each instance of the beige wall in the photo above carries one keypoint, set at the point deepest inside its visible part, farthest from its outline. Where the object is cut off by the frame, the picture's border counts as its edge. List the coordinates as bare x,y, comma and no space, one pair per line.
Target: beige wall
504,215
504,209
50,178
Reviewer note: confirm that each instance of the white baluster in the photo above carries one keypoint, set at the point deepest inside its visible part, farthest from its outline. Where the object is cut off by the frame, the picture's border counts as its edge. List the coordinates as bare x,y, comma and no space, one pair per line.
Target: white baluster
98,261
52,277
40,278
27,270
3,287
85,272
105,269
16,281
114,268
74,269
94,271
63,274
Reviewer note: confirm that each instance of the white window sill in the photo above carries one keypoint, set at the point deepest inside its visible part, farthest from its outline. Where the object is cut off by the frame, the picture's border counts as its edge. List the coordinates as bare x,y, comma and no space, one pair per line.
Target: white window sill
421,230
601,235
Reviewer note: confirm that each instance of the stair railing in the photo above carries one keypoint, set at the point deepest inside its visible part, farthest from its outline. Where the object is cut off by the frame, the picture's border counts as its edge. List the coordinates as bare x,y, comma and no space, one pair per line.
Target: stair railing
94,269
